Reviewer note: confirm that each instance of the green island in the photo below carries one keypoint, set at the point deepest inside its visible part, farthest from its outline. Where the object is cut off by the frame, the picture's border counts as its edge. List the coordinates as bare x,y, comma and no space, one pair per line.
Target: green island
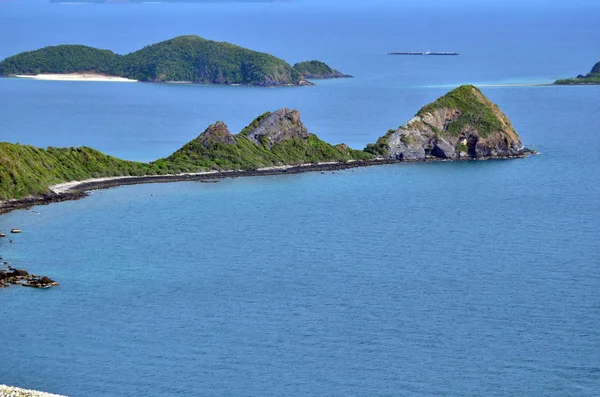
593,77
461,125
318,70
183,59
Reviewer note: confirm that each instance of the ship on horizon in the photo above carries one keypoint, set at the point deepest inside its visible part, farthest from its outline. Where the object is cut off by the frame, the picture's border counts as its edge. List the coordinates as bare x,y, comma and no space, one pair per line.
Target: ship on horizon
423,53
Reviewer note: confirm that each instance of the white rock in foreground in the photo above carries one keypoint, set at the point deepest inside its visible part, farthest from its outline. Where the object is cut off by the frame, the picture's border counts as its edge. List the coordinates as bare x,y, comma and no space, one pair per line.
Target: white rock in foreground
8,391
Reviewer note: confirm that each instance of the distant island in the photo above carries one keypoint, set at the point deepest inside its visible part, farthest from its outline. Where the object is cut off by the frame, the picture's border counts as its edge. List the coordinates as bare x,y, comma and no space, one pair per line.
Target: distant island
593,77
318,70
163,1
183,59
461,125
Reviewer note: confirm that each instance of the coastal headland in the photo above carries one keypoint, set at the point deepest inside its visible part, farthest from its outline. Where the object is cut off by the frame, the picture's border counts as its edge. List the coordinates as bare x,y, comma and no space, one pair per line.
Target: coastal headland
461,125
592,78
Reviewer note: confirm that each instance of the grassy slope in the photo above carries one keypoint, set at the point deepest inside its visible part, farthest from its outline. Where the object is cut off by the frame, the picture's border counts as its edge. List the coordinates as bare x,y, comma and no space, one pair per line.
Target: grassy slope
475,110
27,170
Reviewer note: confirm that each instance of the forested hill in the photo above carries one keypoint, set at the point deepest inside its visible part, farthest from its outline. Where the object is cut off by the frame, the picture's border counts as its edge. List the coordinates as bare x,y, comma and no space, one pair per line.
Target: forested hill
194,59
61,59
318,70
182,59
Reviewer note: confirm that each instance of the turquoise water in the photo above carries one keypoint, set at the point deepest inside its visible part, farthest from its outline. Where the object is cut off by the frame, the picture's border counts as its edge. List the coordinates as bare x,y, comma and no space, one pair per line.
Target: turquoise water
469,279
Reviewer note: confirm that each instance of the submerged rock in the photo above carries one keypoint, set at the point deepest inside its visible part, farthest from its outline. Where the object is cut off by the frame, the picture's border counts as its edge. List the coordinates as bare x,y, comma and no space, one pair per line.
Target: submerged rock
22,277
462,124
40,282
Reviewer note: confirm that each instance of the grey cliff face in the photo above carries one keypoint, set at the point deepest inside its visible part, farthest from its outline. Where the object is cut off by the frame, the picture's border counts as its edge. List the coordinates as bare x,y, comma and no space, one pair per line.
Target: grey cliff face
216,133
427,137
280,125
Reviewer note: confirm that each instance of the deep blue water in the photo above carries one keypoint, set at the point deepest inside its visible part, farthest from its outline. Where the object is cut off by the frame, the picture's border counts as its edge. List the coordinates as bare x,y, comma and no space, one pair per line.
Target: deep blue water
470,279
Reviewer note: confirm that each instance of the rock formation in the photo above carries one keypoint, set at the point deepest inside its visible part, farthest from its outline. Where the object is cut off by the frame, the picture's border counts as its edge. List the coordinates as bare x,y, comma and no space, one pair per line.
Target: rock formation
462,124
22,277
278,126
216,133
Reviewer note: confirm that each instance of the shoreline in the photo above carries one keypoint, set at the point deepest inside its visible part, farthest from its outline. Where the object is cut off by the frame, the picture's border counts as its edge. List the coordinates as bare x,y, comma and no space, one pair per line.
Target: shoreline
95,77
10,391
76,190
75,77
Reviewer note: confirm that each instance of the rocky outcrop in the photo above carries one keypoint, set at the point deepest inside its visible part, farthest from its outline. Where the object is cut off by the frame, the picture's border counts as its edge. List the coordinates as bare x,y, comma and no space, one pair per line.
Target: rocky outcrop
276,127
216,133
462,124
22,277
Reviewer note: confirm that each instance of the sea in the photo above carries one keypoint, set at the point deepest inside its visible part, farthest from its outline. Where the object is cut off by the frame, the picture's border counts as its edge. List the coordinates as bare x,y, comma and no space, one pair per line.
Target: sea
441,279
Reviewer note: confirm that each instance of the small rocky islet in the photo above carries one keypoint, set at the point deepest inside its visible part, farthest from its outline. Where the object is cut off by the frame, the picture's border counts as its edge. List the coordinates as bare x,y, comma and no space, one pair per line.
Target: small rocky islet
12,276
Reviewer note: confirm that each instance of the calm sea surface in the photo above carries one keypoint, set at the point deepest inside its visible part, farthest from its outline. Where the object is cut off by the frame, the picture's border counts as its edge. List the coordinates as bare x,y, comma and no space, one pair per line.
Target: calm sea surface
446,279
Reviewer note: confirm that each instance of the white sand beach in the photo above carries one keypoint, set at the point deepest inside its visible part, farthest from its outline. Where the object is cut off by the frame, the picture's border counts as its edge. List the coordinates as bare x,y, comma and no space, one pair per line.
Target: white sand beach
77,77
8,391
68,186
65,187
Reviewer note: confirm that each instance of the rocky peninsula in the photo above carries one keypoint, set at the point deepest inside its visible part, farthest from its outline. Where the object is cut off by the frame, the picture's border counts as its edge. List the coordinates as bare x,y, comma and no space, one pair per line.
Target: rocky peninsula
592,78
461,125
183,59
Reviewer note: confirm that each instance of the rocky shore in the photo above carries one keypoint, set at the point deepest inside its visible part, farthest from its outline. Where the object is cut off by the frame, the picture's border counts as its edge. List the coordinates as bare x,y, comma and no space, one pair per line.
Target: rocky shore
13,276
78,190
8,391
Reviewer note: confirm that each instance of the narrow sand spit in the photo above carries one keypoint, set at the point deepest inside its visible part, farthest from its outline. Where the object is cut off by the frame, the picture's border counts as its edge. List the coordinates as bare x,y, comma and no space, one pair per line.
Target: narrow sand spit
76,77
67,186
8,391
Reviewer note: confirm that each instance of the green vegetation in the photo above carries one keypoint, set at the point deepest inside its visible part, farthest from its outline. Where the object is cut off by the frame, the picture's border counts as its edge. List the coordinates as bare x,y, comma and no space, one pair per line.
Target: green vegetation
317,70
181,59
61,59
593,77
381,147
475,111
194,59
27,170
461,147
